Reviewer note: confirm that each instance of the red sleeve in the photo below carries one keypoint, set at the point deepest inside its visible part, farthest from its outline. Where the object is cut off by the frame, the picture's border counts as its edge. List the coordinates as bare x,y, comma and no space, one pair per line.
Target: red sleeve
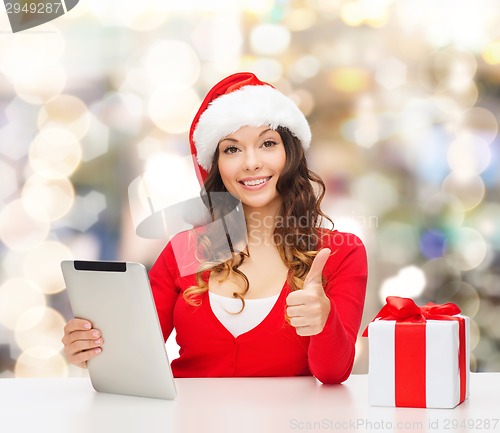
163,277
331,352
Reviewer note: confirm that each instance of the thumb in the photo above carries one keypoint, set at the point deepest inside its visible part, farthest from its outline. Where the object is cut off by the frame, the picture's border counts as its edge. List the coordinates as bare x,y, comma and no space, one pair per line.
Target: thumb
314,274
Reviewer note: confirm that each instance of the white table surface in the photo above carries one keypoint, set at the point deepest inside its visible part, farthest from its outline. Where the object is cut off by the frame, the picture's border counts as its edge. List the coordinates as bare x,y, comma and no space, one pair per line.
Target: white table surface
236,405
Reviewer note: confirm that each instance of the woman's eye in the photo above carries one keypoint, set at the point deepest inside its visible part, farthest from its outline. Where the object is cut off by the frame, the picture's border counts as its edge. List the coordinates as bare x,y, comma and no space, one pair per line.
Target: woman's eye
231,149
269,143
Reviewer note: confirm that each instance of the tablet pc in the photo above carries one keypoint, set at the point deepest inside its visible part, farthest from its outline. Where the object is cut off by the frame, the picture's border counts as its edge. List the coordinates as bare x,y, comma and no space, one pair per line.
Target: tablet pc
116,297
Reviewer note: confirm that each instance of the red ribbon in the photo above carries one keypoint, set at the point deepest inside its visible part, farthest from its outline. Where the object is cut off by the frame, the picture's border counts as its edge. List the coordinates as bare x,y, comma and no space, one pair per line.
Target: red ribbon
410,342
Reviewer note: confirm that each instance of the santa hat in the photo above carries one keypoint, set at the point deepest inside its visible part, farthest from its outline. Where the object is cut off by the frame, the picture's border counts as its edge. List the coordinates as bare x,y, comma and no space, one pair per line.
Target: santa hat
241,100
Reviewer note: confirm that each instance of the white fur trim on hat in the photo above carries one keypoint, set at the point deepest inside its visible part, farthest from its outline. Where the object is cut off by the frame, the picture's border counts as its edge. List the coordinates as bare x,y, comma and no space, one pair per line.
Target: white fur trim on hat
247,106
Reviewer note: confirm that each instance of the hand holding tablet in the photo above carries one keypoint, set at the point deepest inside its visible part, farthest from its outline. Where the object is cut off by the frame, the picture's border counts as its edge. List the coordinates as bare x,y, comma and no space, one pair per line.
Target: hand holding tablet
81,342
115,299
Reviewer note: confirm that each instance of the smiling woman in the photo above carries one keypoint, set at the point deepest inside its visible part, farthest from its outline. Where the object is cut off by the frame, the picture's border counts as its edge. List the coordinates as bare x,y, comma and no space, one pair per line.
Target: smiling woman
288,299
250,163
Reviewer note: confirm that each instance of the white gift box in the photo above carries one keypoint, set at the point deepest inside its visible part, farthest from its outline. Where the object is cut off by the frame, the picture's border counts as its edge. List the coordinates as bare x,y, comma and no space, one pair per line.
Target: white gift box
443,377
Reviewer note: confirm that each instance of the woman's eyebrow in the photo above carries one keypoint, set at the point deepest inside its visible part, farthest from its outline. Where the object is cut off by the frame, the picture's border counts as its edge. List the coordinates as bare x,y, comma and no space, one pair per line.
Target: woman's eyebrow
234,140
265,130
229,139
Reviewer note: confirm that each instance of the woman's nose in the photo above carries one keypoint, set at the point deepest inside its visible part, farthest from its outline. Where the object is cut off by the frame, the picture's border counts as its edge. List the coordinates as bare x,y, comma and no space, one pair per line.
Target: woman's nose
252,161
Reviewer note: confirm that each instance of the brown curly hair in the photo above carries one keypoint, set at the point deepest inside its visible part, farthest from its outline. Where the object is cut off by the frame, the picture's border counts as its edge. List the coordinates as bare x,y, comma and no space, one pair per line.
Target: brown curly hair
297,244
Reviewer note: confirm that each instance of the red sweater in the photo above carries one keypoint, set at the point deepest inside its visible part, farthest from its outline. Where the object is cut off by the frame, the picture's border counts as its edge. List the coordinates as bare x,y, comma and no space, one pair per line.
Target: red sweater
272,348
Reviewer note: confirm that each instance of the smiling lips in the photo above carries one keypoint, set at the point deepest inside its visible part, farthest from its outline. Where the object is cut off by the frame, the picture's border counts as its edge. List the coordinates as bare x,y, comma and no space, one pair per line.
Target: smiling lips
254,183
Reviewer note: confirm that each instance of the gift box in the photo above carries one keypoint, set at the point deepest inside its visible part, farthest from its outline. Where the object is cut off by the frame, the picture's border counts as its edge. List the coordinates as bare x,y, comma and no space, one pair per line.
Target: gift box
418,356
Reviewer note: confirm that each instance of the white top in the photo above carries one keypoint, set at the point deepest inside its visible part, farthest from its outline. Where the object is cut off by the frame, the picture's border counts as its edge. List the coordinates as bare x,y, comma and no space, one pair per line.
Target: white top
255,311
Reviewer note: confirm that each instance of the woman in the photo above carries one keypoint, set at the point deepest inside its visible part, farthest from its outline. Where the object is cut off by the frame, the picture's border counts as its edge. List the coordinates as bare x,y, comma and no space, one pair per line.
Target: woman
289,303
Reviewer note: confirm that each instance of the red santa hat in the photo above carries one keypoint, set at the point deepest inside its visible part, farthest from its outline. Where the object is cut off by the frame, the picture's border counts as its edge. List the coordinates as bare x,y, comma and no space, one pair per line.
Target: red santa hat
241,100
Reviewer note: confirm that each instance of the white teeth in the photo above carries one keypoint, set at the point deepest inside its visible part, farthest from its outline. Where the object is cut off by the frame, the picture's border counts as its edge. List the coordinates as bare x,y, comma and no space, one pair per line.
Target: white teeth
255,182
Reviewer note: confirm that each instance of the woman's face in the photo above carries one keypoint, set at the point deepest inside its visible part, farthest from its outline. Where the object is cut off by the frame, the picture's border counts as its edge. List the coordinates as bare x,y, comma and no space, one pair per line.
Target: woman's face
250,163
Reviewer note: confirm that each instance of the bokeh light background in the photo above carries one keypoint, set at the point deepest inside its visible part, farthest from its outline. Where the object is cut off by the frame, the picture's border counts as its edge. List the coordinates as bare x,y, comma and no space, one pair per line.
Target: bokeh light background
403,100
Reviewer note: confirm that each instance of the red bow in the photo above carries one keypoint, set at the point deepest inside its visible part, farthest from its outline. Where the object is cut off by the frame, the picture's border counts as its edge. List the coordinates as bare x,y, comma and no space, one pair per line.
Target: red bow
405,310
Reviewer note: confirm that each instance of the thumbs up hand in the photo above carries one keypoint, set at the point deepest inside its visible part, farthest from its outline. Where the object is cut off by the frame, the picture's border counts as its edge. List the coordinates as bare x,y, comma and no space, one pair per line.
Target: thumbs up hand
308,309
